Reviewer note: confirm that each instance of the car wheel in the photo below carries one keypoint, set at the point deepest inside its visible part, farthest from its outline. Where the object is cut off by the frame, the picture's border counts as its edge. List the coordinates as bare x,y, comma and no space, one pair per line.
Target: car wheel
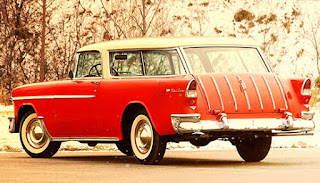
34,139
125,147
147,145
254,149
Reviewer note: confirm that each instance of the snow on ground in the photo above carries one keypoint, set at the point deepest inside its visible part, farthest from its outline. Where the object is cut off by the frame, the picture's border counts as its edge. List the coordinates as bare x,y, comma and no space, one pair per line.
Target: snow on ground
11,143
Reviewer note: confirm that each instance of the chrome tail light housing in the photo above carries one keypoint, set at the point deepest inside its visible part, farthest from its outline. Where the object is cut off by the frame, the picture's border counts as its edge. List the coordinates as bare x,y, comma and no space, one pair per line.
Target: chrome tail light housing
306,87
191,90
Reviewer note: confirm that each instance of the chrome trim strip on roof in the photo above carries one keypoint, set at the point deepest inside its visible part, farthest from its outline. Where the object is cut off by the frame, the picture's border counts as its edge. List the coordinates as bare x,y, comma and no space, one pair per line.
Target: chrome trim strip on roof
205,93
282,92
102,139
218,91
257,90
244,87
270,92
234,98
53,97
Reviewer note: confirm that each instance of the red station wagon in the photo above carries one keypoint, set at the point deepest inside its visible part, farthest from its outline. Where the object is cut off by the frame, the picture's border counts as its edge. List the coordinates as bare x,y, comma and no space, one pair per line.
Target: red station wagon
142,93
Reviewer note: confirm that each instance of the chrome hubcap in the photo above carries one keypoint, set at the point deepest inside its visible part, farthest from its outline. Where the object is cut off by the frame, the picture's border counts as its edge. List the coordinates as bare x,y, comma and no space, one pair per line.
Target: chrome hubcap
35,134
143,137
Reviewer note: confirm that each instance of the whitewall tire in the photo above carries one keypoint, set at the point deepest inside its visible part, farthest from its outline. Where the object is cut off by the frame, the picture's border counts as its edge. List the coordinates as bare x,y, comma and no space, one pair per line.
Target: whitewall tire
147,145
34,139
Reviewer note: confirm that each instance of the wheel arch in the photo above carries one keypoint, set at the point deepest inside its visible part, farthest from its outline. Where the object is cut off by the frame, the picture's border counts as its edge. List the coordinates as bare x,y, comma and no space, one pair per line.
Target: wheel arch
129,113
21,112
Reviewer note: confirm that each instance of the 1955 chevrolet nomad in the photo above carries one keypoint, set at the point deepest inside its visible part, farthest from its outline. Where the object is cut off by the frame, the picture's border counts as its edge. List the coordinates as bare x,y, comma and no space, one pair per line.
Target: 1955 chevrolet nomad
142,93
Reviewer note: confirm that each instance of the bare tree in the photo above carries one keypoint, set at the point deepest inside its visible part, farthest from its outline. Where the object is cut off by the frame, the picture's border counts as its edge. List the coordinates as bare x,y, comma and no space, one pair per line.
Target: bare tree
136,18
18,42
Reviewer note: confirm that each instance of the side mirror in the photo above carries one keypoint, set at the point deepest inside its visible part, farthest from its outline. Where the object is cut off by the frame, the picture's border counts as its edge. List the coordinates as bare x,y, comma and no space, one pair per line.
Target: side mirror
70,74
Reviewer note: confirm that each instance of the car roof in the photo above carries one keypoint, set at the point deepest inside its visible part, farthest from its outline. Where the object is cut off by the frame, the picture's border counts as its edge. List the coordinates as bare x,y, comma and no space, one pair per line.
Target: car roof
166,42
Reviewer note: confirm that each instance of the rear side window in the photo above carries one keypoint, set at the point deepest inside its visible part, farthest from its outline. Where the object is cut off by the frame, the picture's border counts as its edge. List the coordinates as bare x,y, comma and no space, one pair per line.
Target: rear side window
147,63
126,63
162,62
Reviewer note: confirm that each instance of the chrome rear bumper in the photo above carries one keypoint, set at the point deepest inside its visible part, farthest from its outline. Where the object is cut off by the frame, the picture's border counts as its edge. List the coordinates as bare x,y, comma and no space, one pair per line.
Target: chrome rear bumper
190,123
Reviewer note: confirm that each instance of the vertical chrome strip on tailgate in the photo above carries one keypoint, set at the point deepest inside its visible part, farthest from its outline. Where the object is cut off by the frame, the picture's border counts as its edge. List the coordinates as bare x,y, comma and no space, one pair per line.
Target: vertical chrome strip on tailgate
216,85
205,93
281,89
244,88
257,90
234,98
270,92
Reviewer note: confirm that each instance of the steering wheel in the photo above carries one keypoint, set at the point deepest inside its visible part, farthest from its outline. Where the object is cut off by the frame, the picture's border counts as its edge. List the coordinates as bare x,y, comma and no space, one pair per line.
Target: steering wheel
94,66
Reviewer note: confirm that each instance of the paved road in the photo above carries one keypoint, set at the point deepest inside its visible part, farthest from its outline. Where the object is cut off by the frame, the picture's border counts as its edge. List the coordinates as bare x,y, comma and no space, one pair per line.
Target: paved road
281,165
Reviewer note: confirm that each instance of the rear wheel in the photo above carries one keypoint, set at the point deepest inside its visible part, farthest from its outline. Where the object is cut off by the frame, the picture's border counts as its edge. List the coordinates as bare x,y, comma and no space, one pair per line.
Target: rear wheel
147,145
254,149
34,139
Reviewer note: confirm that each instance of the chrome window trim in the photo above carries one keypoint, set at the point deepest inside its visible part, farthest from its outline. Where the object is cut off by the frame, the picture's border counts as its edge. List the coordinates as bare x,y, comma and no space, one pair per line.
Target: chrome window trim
151,49
282,92
258,92
244,87
76,65
205,93
270,92
232,93
53,97
185,60
218,91
265,60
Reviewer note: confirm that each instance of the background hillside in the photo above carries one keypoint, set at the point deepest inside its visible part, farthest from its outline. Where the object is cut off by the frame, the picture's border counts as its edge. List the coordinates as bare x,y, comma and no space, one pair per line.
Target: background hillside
287,30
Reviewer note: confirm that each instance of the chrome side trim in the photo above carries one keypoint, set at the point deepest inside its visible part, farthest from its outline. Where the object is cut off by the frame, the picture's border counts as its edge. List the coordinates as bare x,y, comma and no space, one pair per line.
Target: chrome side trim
53,97
270,92
44,127
289,133
234,98
218,91
257,90
103,139
281,89
244,87
205,93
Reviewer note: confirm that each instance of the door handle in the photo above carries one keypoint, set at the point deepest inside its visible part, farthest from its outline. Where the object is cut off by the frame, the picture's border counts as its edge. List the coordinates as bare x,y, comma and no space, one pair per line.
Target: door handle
95,82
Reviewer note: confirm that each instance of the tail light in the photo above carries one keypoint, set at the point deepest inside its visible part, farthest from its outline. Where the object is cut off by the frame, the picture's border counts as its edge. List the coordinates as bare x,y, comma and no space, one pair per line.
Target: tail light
306,87
191,91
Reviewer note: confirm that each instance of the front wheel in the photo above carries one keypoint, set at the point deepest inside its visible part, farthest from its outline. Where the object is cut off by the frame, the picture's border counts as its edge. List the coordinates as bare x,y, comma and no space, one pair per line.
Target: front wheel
254,149
34,139
147,145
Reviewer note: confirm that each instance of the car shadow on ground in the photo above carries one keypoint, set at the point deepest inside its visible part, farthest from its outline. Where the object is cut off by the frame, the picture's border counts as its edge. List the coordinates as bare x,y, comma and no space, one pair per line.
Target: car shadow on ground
171,161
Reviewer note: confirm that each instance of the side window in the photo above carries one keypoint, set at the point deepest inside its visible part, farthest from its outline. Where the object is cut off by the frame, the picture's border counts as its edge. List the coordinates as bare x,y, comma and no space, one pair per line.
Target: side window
125,63
89,65
194,60
162,62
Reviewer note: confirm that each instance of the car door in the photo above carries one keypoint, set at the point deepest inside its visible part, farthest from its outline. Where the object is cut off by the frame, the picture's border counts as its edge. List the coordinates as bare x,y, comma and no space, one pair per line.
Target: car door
75,105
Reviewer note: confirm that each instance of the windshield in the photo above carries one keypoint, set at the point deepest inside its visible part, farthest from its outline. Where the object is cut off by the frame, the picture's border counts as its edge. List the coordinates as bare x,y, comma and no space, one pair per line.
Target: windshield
225,60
